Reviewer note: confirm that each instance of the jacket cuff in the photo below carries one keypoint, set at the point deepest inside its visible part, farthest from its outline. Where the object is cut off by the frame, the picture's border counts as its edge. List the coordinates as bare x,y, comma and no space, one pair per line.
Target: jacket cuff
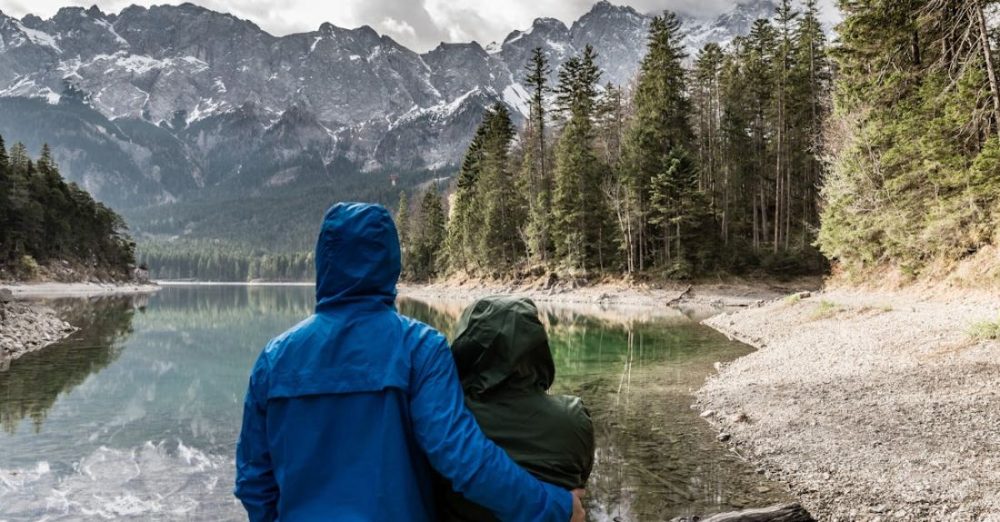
560,508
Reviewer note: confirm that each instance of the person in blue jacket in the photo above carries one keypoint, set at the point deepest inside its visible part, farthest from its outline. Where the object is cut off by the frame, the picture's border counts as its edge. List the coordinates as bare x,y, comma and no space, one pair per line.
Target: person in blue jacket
347,413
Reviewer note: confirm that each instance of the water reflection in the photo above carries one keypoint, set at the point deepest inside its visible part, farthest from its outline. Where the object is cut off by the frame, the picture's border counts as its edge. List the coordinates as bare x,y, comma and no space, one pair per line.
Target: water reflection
656,459
135,416
31,385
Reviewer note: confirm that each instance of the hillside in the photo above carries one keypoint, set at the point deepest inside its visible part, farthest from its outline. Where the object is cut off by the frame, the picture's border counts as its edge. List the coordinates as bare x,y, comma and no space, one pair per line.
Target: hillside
53,230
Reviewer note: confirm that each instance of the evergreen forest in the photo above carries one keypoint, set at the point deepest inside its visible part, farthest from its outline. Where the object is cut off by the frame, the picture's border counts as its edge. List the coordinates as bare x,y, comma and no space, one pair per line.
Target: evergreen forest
52,228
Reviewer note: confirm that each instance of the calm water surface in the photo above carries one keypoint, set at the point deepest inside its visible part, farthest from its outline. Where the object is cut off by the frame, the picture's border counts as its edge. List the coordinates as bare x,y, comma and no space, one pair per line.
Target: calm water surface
135,417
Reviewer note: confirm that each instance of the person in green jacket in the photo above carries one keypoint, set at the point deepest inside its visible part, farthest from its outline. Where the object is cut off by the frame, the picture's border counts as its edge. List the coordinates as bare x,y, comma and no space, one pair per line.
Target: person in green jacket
505,366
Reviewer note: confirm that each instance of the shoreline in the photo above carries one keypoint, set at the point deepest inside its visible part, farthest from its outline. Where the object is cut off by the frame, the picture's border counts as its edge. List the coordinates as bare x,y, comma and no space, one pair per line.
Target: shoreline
620,294
51,290
28,326
869,405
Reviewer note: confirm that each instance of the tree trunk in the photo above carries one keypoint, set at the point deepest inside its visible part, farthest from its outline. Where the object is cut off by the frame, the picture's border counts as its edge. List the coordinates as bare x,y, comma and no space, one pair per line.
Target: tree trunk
991,73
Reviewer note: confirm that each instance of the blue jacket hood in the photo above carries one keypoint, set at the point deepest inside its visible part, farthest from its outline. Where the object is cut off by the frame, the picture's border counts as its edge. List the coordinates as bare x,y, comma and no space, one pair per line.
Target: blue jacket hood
357,255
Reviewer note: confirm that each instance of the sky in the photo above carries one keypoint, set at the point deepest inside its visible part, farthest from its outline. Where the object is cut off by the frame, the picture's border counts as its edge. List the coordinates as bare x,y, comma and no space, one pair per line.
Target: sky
418,24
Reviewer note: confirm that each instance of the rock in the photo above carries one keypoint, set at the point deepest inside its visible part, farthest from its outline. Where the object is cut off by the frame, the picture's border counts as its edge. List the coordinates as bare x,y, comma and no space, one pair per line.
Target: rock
707,413
723,437
6,295
878,509
739,417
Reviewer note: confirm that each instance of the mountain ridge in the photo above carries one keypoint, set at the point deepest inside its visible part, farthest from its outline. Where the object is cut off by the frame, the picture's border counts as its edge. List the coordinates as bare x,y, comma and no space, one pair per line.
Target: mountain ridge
193,99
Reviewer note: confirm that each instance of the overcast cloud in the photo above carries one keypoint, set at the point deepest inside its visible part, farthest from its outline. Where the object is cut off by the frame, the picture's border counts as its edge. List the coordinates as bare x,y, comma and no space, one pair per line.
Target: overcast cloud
419,24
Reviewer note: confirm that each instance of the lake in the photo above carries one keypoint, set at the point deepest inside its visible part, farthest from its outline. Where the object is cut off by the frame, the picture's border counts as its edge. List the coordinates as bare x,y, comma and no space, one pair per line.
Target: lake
135,417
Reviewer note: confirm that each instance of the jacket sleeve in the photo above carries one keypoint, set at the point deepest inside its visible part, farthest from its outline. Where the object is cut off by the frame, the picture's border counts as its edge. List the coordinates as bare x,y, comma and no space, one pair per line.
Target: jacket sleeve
456,447
255,483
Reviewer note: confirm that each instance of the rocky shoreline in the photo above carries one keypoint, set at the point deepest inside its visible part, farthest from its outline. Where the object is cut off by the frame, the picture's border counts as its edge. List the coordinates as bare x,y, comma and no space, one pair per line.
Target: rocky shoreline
26,327
616,293
870,406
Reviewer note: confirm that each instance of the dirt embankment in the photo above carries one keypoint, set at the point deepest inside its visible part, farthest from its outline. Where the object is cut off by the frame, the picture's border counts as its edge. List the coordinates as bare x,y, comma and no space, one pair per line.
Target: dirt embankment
871,406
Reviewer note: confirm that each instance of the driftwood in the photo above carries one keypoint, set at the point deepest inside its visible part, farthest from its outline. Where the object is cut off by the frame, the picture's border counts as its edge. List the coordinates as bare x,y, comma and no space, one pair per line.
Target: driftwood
776,513
679,296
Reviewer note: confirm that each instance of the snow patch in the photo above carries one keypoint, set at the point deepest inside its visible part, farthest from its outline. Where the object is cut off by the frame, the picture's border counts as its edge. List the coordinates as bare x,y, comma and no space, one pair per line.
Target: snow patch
111,29
435,112
139,64
51,96
515,96
38,37
315,43
558,47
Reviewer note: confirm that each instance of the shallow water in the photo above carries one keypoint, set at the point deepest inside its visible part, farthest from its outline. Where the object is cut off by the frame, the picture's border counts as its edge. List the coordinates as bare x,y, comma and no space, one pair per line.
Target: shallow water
135,416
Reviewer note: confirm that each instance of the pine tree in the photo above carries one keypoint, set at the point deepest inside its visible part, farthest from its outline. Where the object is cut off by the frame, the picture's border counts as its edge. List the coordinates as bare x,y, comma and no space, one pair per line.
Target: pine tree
537,179
782,172
914,180
466,219
500,243
659,129
579,208
708,120
809,98
403,229
428,249
6,185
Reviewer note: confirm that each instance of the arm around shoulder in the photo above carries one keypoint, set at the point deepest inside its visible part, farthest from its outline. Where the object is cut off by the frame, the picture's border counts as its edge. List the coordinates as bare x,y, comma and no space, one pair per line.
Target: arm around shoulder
458,450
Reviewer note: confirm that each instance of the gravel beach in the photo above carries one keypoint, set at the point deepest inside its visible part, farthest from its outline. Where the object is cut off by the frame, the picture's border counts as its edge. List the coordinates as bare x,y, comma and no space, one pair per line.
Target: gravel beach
870,406
28,327
716,295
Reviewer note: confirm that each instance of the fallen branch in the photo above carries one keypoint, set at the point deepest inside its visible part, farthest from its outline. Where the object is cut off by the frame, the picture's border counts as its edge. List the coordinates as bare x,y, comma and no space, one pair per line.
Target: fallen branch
680,296
777,513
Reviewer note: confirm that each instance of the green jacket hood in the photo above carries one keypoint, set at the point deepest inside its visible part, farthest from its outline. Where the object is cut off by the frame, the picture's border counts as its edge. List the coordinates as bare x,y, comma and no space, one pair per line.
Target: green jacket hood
500,344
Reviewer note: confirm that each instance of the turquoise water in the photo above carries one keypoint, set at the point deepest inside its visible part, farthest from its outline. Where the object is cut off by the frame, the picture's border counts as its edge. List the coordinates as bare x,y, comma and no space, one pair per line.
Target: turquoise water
135,416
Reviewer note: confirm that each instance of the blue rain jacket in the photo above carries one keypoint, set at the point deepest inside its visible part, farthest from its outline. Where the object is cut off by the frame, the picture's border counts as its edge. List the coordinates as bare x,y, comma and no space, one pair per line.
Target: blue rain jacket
347,413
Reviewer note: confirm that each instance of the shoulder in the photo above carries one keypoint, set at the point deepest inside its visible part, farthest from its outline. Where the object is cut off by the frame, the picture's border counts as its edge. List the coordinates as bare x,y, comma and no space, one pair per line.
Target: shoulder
421,334
277,346
425,343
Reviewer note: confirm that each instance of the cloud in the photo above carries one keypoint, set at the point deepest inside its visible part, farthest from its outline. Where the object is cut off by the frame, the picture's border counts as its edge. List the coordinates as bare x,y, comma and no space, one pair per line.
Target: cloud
396,27
418,24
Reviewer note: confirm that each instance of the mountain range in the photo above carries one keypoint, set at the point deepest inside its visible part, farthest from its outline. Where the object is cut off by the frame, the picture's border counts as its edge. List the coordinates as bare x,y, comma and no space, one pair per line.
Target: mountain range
182,105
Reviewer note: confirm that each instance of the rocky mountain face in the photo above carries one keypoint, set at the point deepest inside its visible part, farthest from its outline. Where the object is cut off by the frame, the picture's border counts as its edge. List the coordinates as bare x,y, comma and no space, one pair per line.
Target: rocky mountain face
156,105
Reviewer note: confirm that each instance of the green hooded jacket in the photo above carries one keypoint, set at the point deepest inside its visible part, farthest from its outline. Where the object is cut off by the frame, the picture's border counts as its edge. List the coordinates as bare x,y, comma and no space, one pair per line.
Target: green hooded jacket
502,354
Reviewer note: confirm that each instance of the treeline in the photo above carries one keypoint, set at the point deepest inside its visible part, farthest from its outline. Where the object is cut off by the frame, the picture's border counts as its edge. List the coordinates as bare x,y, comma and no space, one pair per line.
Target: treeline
915,183
690,170
214,261
44,220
